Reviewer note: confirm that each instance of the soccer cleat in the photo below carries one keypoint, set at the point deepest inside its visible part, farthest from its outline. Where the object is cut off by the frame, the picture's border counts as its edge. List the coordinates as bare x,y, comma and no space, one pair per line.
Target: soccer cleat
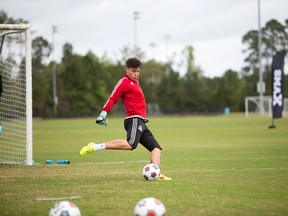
87,149
163,178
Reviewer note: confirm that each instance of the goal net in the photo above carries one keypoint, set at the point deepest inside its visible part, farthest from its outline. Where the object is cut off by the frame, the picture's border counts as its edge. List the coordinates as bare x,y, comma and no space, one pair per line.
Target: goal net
252,106
15,94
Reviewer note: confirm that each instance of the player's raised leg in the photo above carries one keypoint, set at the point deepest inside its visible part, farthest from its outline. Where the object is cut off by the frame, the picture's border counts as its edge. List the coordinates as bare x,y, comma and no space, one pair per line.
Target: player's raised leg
118,144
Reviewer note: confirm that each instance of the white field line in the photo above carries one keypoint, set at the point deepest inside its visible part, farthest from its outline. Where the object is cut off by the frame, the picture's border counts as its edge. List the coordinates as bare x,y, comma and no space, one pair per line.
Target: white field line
121,172
112,162
179,160
232,159
193,170
232,169
43,199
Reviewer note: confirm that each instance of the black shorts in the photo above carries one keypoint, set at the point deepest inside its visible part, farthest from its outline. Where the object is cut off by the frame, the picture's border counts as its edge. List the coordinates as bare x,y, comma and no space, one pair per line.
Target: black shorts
137,131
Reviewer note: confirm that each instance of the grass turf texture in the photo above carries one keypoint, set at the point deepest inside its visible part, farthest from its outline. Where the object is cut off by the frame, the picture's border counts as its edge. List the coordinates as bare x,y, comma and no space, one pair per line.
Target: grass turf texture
220,165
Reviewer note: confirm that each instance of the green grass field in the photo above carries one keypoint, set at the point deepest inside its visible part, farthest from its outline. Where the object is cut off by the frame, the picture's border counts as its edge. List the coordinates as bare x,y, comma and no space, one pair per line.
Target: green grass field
220,165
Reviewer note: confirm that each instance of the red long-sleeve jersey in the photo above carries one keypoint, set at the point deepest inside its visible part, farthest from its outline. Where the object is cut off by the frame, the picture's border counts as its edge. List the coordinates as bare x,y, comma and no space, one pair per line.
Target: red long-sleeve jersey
131,95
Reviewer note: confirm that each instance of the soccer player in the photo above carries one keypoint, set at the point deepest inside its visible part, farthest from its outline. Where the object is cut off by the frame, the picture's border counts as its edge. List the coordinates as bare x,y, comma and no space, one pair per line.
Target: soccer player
131,94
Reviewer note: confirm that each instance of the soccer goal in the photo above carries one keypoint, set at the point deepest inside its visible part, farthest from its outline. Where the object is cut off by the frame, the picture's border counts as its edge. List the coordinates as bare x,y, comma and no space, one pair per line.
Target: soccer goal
15,94
252,105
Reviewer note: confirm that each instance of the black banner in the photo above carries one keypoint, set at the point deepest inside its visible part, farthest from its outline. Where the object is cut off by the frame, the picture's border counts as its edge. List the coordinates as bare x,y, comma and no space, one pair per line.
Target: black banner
278,84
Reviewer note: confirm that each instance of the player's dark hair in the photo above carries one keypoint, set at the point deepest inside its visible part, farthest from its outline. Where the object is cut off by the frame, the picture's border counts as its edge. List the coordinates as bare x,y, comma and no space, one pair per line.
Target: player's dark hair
133,63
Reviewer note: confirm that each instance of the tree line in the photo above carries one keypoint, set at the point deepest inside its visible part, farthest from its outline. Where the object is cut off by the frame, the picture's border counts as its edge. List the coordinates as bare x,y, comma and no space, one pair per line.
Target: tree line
84,82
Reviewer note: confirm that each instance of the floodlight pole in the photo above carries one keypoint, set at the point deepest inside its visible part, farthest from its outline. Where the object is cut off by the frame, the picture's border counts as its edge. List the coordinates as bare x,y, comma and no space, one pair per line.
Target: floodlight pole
136,17
261,84
152,45
167,37
55,98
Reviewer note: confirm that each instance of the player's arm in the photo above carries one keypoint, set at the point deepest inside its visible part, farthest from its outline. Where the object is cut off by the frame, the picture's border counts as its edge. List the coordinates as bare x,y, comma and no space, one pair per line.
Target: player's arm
118,91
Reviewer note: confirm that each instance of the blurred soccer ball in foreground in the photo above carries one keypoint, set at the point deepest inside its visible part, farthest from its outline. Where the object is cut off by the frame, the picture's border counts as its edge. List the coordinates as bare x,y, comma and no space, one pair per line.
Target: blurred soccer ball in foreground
150,207
151,172
64,208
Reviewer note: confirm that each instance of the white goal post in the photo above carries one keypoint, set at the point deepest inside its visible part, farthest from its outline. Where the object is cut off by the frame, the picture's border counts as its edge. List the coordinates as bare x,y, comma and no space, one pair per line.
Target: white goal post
252,105
16,94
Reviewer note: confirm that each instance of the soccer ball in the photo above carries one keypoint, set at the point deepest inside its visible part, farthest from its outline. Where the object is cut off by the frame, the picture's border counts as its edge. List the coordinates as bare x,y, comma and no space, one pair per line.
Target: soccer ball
150,207
64,208
151,172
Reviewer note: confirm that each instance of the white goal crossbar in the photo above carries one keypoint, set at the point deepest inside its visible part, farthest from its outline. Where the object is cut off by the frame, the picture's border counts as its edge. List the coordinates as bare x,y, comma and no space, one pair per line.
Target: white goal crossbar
252,105
6,29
